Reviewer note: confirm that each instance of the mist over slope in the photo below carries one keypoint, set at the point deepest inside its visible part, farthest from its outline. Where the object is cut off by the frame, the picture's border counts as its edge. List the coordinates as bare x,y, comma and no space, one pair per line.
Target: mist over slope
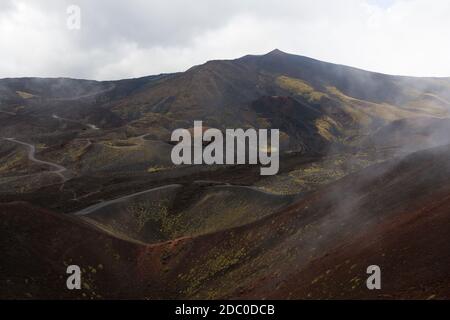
318,247
342,102
86,178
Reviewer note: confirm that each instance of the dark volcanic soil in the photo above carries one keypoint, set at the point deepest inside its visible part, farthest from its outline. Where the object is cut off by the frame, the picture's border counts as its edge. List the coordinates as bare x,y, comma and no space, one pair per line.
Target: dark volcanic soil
340,202
394,214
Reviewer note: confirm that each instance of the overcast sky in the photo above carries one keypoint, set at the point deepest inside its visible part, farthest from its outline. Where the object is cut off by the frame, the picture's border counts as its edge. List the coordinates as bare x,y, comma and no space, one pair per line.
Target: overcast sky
123,39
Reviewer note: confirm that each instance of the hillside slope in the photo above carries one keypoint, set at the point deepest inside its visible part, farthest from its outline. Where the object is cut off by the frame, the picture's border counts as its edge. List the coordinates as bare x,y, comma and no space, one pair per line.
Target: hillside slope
394,214
342,104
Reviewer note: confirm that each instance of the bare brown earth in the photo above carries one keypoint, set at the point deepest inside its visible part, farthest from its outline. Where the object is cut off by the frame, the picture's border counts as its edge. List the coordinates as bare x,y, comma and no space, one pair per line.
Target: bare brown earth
394,214
349,193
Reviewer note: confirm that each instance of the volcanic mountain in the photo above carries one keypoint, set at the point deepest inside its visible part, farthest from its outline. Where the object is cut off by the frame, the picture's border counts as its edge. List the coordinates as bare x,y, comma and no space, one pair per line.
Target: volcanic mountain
86,179
320,102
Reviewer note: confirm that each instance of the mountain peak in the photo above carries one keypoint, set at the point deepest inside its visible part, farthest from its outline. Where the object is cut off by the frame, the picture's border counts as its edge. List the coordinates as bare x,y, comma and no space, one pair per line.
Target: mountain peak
276,52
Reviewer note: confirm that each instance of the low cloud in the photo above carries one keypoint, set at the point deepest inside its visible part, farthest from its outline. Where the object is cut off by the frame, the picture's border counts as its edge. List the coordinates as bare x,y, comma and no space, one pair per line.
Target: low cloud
121,39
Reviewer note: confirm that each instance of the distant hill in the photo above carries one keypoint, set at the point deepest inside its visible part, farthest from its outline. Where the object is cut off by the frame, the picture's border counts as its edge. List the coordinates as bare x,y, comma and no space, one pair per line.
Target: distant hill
324,103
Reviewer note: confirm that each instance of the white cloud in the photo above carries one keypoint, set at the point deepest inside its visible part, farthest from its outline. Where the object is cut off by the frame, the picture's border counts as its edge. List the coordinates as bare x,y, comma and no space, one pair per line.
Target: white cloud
120,39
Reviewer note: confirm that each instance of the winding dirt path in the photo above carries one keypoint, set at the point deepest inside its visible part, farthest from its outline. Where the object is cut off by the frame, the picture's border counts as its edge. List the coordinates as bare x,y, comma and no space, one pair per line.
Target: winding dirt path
121,199
58,169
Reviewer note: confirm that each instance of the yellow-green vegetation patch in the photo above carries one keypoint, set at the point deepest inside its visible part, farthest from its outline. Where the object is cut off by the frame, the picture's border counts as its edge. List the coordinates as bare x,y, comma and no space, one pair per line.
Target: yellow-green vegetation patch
294,84
11,161
213,263
365,112
263,122
300,87
157,169
225,207
119,144
154,212
336,92
327,128
25,95
311,176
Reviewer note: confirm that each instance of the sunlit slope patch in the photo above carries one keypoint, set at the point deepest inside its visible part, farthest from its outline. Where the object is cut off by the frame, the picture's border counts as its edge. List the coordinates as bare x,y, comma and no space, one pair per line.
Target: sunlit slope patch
345,116
299,87
25,95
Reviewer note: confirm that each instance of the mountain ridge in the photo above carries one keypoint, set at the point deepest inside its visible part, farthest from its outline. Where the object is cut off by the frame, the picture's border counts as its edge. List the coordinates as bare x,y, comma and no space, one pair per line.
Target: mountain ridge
364,177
